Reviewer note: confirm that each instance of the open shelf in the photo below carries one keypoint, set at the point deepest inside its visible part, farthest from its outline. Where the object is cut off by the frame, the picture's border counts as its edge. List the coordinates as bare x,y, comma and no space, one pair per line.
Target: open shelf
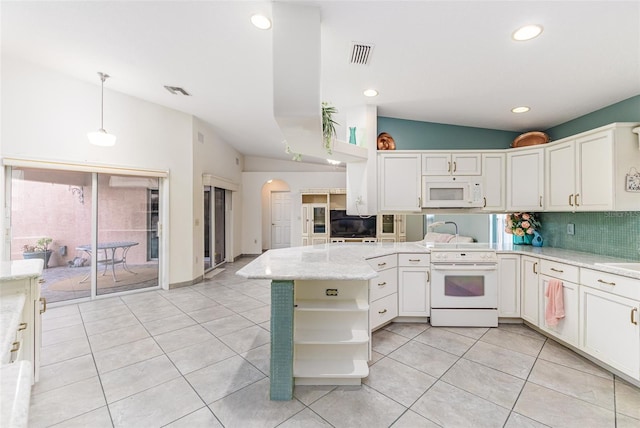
332,305
330,337
311,368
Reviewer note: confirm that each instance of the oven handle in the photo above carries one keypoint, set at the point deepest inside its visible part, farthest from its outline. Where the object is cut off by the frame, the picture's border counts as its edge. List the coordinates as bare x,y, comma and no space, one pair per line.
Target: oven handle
464,267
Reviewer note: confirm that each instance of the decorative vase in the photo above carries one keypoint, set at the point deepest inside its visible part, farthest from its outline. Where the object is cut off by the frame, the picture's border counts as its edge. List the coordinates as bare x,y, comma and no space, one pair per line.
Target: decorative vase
352,135
522,240
537,240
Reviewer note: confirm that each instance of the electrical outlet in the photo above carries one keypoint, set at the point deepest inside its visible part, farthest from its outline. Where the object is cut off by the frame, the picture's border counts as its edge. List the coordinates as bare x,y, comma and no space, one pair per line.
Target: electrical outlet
571,229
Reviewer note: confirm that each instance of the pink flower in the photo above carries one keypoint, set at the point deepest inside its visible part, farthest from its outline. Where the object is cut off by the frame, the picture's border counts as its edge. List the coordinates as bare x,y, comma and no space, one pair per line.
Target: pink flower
526,224
530,231
526,216
518,232
508,230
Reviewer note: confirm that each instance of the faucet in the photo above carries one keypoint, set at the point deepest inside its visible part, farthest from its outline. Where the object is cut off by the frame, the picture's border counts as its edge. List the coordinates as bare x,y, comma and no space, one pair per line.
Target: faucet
442,223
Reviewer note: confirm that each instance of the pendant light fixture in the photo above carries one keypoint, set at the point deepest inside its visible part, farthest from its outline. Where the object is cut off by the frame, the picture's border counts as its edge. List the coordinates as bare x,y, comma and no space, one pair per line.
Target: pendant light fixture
102,137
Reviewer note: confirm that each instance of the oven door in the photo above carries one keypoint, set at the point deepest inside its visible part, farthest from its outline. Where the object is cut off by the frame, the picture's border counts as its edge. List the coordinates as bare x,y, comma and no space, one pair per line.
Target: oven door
464,286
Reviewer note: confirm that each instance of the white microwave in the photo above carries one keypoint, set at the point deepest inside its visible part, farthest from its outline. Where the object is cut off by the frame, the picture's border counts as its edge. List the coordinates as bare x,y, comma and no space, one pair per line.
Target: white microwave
452,192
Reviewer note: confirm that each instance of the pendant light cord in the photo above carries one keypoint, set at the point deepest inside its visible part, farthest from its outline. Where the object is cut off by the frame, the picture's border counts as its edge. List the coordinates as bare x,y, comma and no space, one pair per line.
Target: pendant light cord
103,77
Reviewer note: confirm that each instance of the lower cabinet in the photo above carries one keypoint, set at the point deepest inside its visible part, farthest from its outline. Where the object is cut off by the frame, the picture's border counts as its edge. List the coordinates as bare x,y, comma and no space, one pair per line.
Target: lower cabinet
413,285
529,268
610,318
508,286
567,327
383,291
331,332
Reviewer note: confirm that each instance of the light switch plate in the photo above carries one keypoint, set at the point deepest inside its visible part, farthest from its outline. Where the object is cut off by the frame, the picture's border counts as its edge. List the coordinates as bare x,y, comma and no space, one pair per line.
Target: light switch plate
571,229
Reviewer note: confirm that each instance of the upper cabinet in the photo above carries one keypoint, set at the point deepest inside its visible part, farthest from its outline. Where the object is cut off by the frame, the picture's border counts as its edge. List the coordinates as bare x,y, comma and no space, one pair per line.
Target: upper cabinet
587,172
399,182
446,163
525,179
493,181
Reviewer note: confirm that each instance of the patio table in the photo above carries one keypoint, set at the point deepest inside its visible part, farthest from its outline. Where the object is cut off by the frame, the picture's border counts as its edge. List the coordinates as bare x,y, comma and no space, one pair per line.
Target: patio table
110,256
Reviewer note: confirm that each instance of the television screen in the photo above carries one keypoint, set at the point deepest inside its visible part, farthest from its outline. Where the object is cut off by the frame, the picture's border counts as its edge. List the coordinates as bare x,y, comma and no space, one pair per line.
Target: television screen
347,226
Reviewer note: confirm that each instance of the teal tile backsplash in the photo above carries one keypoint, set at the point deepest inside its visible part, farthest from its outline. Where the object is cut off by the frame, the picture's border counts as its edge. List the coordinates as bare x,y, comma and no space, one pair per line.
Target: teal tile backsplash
609,233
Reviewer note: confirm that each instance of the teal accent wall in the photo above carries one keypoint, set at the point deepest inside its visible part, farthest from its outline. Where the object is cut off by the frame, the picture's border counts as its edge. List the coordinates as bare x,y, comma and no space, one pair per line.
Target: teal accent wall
415,135
610,233
624,111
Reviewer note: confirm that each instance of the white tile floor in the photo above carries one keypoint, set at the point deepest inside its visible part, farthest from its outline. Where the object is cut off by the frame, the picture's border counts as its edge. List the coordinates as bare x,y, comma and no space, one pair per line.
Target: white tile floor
199,357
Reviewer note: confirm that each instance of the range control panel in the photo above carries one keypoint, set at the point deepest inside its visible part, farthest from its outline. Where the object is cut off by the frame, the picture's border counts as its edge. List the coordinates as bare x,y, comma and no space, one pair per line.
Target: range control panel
463,257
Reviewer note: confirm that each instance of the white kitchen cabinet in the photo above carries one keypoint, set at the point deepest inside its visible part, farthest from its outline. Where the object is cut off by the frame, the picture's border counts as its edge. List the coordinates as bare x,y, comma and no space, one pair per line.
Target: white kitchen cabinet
414,285
383,291
529,271
493,181
610,318
21,277
567,327
391,228
399,182
448,163
586,172
315,223
509,285
525,179
331,335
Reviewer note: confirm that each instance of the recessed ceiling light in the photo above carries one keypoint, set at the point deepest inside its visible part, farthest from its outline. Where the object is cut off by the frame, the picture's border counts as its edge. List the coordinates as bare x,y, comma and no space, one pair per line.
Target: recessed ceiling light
370,93
333,162
527,32
522,109
261,21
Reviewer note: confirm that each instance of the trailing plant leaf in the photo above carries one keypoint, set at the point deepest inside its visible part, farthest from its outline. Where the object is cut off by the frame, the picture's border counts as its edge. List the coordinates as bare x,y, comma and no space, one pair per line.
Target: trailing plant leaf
328,125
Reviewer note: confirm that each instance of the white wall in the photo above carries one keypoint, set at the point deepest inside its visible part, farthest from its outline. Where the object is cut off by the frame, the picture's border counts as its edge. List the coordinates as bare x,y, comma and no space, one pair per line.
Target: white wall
252,183
46,115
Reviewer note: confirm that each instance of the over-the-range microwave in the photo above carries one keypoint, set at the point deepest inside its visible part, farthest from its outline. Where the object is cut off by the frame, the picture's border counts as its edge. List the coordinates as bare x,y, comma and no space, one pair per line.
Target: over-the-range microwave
452,192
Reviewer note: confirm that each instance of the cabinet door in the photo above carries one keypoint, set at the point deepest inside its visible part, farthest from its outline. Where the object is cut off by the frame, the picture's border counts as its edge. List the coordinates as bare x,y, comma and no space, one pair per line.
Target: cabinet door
466,164
413,292
530,292
509,286
401,226
594,175
525,180
560,177
386,226
567,328
399,182
436,164
305,221
319,219
609,329
493,181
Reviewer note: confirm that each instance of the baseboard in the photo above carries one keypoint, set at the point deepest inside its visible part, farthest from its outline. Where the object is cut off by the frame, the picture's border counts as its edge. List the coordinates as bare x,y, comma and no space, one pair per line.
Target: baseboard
196,280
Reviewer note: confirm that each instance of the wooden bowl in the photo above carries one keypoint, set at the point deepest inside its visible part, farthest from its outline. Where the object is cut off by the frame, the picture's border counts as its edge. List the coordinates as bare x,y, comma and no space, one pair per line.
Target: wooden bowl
530,139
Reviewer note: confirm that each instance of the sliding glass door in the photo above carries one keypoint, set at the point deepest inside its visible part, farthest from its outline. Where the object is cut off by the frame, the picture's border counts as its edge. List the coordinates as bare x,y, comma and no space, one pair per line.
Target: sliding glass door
214,226
54,214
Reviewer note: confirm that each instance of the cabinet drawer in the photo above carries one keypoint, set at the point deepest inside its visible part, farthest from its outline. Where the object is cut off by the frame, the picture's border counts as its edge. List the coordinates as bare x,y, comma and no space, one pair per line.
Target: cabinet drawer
384,262
386,283
560,270
616,284
383,310
416,259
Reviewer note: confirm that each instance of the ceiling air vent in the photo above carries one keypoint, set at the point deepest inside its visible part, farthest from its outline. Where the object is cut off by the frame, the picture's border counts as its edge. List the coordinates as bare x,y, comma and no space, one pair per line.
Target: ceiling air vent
176,90
360,53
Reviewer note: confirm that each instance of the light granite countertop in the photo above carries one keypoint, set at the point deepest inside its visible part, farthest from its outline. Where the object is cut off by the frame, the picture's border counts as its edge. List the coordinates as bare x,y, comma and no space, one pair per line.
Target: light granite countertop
347,261
15,394
20,269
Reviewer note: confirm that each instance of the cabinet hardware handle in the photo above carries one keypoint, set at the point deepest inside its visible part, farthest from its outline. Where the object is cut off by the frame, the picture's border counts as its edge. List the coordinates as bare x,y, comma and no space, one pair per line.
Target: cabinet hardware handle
540,201
41,281
22,326
455,167
15,346
414,260
557,270
384,311
484,205
571,200
633,318
449,167
577,196
382,264
428,276
382,284
602,281
535,265
44,305
419,202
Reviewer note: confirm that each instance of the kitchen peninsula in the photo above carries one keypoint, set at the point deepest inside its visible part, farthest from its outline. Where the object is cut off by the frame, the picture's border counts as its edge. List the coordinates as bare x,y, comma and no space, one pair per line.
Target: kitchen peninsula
320,331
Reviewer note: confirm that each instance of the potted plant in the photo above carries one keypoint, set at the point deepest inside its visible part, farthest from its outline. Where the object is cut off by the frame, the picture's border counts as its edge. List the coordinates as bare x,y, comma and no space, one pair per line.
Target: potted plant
328,125
522,226
39,251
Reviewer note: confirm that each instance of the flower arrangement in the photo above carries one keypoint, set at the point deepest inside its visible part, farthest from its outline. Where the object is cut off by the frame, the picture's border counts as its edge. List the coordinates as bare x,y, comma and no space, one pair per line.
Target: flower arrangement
520,224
